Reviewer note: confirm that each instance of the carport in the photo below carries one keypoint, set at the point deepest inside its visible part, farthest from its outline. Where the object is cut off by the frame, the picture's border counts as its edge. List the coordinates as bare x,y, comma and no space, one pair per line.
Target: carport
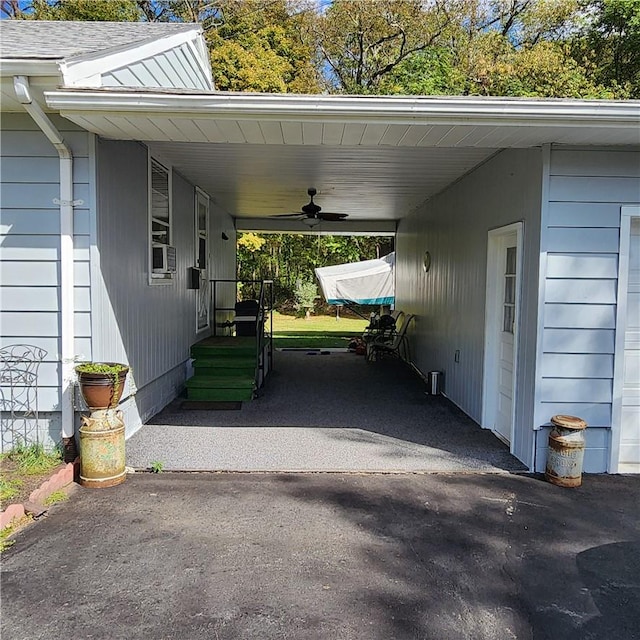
462,182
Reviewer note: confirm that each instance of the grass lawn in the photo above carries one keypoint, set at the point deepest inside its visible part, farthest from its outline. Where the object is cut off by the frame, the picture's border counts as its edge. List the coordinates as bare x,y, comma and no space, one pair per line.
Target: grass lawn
315,333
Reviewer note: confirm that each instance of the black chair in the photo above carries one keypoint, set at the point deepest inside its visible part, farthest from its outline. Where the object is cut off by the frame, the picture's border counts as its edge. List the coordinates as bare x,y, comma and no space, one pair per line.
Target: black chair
397,346
246,320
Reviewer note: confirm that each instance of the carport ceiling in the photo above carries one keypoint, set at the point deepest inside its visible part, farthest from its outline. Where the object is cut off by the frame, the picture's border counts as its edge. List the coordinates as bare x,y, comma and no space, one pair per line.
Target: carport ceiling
375,158
258,181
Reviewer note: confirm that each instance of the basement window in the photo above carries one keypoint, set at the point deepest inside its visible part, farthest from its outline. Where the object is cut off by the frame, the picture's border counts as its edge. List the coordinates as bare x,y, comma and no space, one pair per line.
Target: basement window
162,254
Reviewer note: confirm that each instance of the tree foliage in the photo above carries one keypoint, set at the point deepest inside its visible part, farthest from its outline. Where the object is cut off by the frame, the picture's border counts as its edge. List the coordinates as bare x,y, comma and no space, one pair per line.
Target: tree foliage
288,259
261,46
609,45
555,48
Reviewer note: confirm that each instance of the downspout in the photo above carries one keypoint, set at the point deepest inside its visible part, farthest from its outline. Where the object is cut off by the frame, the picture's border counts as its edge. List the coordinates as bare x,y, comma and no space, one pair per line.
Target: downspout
66,203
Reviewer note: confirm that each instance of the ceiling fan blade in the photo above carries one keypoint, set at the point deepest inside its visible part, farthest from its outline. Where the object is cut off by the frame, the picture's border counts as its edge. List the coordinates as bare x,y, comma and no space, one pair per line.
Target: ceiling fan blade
289,215
332,217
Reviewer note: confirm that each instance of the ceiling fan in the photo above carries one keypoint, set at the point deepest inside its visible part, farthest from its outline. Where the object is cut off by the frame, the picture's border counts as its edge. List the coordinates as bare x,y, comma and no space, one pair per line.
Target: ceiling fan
312,214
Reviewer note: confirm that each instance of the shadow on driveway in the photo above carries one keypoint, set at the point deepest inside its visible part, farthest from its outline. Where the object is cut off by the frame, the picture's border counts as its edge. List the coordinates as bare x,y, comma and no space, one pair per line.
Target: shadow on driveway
317,557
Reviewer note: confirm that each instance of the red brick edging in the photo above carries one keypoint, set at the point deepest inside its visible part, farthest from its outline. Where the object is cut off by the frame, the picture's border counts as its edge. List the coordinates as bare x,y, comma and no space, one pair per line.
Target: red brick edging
58,480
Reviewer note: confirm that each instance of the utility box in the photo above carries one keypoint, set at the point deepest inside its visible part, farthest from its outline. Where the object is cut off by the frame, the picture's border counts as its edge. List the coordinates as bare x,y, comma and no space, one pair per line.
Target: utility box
434,383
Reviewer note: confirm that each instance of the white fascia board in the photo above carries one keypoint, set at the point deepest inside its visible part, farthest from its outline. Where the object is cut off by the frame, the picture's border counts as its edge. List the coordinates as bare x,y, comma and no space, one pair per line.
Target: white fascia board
29,67
201,54
85,70
384,109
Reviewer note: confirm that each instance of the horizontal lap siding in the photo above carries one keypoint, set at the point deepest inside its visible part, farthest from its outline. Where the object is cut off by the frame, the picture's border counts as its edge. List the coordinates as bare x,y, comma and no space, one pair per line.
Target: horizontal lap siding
587,189
30,246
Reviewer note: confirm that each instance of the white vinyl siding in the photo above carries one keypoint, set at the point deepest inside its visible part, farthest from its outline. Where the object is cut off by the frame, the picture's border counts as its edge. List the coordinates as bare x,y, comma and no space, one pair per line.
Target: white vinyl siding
150,328
175,68
30,250
587,188
449,300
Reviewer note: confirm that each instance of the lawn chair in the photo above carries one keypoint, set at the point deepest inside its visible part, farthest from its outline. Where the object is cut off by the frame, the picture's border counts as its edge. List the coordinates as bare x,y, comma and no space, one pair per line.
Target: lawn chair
382,328
397,346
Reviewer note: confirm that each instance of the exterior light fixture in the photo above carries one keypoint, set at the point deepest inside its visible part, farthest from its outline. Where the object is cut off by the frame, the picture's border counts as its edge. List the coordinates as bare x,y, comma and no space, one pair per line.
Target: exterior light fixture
311,222
426,262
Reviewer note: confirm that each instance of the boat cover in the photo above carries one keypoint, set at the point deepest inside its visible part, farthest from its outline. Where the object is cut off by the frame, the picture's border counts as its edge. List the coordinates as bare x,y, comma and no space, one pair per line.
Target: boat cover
366,282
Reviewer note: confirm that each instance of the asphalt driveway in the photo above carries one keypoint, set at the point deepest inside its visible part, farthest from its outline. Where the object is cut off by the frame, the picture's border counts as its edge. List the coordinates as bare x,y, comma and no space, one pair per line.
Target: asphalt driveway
331,556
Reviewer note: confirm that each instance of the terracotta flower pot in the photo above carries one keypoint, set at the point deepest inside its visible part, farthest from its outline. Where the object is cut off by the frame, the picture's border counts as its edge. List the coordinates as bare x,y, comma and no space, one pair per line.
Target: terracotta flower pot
102,390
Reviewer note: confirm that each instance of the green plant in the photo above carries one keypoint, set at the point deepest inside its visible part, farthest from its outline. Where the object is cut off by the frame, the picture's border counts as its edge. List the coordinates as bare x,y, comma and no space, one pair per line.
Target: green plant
34,458
305,293
55,498
107,368
8,489
156,466
12,528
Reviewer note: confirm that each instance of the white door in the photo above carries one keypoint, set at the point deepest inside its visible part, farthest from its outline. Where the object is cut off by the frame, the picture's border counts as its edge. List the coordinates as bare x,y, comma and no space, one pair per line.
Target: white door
503,286
202,260
630,413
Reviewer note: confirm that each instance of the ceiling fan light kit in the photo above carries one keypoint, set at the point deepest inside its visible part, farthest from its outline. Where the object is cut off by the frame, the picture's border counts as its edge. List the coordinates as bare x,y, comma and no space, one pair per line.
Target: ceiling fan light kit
311,222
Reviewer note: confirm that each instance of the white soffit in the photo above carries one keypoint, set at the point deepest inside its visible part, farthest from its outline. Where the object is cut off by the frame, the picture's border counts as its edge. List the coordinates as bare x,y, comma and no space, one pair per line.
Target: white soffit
374,158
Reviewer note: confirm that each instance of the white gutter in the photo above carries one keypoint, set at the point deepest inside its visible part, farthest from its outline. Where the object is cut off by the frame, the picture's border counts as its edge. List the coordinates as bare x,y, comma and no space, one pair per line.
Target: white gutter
390,110
66,202
10,67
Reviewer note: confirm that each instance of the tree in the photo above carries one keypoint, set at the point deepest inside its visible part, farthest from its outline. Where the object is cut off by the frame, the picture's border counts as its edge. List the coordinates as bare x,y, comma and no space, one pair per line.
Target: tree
493,47
362,41
288,258
93,10
609,46
261,46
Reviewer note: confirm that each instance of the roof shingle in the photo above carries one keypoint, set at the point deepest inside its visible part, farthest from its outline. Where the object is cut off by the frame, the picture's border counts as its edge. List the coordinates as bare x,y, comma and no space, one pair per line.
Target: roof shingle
50,39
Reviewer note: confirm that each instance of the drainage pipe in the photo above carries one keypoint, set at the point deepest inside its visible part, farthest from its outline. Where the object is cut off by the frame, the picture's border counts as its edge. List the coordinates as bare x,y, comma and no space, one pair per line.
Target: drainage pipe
66,203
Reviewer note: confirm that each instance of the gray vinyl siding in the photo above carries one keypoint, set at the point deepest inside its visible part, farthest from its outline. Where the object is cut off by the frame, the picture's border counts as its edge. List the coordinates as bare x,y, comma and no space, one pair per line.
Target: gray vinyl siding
30,253
151,327
587,188
449,300
175,68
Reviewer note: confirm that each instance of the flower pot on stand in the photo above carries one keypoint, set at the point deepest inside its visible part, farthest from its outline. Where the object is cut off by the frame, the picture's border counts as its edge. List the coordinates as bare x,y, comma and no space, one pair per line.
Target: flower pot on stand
101,383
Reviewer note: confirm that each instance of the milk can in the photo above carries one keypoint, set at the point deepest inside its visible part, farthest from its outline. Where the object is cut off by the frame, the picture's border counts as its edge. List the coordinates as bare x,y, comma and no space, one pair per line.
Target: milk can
102,449
566,451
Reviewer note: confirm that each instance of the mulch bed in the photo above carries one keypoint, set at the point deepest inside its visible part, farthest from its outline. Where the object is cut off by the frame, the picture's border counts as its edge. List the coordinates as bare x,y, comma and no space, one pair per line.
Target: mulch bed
10,471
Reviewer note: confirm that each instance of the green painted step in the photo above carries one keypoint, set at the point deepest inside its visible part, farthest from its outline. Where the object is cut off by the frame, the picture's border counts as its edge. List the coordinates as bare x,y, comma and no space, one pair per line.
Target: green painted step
223,352
220,371
220,382
224,361
229,395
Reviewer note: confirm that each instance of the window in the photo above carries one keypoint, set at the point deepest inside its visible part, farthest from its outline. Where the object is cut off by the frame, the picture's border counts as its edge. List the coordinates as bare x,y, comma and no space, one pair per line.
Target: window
509,304
162,255
203,294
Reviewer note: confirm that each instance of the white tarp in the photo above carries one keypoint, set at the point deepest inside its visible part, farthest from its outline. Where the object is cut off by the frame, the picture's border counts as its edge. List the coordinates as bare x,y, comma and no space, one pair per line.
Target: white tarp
367,282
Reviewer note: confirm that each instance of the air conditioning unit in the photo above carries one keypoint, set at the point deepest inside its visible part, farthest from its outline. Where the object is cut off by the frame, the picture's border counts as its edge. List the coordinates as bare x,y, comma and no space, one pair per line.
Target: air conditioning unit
163,259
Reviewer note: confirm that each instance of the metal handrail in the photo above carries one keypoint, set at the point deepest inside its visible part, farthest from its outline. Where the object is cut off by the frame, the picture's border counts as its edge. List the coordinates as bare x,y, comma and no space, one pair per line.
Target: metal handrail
266,294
